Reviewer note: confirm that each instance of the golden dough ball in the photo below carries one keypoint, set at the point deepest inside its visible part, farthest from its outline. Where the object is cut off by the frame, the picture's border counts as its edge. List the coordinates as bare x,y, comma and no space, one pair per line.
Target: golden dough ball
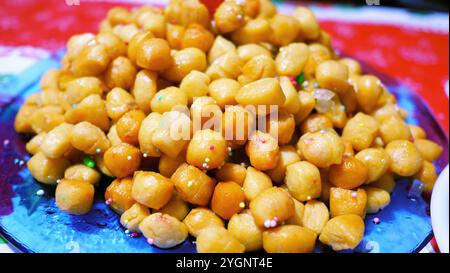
228,199
376,161
255,182
232,172
122,160
263,151
200,218
163,230
128,126
195,35
243,227
132,217
74,196
154,54
343,232
193,185
151,189
289,239
218,240
118,194
406,159
315,216
207,150
344,201
47,170
349,174
271,207
323,148
303,181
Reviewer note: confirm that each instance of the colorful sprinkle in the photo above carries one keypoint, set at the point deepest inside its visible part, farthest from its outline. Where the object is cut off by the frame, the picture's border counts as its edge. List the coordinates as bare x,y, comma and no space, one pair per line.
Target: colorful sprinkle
316,84
129,157
89,162
242,205
98,150
6,143
150,241
308,198
205,165
267,223
159,98
273,223
300,78
293,81
134,234
189,184
40,192
263,140
58,181
354,194
211,147
108,201
127,231
145,155
376,220
275,219
207,160
305,83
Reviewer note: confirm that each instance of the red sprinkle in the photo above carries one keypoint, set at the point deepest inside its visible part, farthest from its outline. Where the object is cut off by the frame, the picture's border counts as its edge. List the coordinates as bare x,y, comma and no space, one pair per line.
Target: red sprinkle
293,81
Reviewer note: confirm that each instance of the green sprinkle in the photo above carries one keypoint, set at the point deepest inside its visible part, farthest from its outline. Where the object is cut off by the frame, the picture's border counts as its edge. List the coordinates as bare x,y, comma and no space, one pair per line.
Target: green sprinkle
89,162
159,98
207,160
301,78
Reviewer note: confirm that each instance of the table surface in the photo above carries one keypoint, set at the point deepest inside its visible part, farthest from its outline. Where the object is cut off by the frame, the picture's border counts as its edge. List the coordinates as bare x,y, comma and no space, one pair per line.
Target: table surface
410,47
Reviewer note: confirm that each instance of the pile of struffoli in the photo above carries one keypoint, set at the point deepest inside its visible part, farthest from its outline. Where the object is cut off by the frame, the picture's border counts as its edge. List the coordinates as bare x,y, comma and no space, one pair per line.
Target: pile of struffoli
331,156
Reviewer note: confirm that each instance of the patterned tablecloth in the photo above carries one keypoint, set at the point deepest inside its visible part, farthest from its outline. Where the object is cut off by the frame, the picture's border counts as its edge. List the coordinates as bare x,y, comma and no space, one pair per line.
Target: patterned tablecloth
409,47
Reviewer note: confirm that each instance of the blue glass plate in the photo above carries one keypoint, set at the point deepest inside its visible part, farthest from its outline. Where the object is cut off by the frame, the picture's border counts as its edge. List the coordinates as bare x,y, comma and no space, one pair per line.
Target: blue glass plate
32,223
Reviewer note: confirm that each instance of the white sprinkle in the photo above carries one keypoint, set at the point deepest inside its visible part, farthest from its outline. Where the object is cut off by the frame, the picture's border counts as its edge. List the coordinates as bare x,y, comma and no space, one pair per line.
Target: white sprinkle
308,198
189,184
267,223
376,220
21,162
127,231
273,223
58,181
243,164
40,192
354,194
242,205
98,150
129,157
145,155
6,142
305,83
